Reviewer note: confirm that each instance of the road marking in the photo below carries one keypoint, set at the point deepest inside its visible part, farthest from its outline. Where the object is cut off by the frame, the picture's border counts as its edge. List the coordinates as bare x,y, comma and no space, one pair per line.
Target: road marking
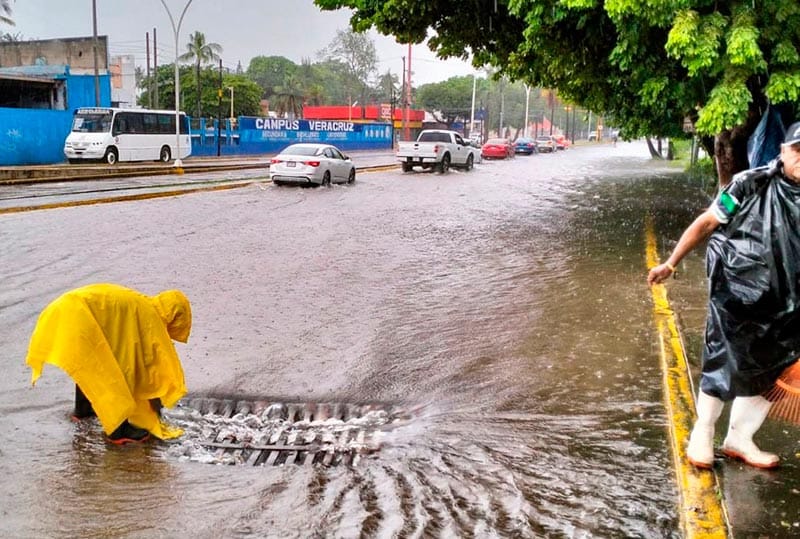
702,510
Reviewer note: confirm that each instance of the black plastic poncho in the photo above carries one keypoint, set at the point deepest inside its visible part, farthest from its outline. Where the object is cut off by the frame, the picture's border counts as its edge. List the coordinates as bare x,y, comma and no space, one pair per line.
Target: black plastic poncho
753,266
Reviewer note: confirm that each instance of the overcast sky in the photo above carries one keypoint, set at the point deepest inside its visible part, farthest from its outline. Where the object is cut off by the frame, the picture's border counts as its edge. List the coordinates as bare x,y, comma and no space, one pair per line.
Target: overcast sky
295,29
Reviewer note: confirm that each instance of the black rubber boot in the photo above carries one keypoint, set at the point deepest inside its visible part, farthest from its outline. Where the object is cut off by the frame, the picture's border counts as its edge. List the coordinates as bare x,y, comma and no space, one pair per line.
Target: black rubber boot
83,408
127,433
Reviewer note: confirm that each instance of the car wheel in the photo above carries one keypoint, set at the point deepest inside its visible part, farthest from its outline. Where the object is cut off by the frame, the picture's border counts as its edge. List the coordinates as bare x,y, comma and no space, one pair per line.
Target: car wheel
326,178
470,162
406,167
111,156
444,165
165,155
352,177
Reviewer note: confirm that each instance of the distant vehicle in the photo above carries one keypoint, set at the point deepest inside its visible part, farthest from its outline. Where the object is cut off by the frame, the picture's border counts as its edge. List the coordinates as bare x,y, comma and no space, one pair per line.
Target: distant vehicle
476,139
311,164
593,135
545,144
562,142
525,146
436,148
112,135
497,148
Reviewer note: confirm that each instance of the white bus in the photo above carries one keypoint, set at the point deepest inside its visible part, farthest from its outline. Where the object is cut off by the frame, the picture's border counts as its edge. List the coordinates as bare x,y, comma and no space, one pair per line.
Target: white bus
112,135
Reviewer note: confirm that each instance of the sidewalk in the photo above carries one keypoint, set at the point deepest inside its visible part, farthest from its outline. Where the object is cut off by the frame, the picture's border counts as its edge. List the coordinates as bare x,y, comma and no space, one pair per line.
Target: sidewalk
732,500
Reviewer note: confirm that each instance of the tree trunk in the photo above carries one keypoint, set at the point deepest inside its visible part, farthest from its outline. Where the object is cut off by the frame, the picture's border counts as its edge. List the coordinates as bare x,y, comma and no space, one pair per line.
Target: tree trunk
198,90
653,152
730,154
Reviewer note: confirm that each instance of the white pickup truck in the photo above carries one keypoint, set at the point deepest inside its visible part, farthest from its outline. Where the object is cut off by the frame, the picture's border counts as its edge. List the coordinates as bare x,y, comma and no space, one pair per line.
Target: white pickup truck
439,149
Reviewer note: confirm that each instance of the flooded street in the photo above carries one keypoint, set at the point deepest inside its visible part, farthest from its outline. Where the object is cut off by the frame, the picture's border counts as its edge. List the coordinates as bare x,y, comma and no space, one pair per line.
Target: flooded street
504,310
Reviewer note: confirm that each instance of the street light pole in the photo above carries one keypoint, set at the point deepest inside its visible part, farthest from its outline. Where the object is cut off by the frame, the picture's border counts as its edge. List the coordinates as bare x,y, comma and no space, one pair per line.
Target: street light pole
527,99
472,113
176,30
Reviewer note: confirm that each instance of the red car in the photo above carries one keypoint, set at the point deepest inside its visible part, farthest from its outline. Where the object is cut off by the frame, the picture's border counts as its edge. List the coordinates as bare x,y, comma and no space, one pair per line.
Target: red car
497,148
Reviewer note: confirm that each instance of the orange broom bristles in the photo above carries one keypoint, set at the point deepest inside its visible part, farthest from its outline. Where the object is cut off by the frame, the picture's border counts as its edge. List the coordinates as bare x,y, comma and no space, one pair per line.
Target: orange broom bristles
785,395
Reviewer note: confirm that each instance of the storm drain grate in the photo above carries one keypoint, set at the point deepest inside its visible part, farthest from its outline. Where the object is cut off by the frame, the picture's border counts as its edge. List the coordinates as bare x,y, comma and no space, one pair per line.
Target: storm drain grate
264,433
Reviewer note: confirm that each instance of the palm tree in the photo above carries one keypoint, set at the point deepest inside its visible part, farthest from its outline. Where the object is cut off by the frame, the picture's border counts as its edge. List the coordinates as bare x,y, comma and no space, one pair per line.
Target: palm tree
290,98
199,52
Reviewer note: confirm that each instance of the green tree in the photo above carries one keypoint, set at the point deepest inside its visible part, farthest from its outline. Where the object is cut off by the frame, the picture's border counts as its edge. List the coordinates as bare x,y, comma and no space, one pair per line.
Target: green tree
269,72
647,65
290,98
387,89
200,52
357,54
247,94
448,100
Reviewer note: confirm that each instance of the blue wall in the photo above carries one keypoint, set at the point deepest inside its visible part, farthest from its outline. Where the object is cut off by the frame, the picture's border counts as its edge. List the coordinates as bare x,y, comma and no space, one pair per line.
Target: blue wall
270,135
36,136
33,136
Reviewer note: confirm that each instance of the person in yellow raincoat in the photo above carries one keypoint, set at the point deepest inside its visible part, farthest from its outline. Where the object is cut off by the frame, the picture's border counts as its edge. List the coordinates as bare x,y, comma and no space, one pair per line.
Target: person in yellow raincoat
116,345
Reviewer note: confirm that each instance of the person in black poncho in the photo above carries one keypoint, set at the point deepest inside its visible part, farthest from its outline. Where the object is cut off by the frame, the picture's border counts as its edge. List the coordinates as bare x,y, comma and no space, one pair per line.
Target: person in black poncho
753,324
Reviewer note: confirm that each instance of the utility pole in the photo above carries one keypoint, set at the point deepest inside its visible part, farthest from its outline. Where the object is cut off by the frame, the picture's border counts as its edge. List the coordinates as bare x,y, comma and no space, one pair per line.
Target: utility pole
155,69
219,110
408,93
403,102
149,82
94,49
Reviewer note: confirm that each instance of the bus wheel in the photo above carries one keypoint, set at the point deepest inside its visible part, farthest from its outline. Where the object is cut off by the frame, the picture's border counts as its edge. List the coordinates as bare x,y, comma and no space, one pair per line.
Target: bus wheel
165,155
111,156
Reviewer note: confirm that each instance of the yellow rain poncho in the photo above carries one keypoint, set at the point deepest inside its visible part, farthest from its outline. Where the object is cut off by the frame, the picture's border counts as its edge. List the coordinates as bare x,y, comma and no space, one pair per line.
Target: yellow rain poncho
116,344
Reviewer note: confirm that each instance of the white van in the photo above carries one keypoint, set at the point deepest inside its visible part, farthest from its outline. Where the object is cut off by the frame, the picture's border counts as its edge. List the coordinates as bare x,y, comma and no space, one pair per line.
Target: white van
112,135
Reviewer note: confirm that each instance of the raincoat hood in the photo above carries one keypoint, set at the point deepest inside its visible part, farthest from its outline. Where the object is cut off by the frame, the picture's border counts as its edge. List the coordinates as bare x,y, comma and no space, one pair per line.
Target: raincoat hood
116,344
176,312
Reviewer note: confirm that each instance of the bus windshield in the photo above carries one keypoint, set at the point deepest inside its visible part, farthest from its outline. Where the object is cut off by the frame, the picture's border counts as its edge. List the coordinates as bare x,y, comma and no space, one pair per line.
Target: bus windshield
94,122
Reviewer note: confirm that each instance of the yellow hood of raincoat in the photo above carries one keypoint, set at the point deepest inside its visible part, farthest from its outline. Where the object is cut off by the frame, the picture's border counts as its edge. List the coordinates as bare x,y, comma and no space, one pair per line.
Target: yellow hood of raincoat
116,344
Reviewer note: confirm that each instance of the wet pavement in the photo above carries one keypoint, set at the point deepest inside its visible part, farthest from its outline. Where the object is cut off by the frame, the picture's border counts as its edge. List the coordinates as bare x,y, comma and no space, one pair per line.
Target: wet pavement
504,311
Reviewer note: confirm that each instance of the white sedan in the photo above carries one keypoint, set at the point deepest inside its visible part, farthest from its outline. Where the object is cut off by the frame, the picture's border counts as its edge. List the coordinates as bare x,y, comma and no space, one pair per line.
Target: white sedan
311,164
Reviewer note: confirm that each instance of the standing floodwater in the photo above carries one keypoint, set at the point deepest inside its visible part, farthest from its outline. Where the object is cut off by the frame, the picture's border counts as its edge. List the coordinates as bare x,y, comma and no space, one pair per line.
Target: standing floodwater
504,309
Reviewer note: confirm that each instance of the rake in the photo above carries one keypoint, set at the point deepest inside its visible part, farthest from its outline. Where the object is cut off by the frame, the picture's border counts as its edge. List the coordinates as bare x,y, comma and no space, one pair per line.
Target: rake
785,395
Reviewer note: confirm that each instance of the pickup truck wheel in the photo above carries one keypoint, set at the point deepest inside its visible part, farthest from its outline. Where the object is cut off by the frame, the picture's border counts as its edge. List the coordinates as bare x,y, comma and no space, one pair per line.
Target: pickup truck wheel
407,167
470,161
444,165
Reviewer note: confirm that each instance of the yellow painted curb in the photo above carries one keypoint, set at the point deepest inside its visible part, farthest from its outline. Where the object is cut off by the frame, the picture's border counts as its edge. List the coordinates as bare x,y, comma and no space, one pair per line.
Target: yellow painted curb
702,510
126,198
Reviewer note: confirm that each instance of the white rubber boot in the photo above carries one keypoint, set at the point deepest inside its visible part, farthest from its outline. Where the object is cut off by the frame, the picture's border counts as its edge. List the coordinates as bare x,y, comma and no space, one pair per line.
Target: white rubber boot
700,451
747,415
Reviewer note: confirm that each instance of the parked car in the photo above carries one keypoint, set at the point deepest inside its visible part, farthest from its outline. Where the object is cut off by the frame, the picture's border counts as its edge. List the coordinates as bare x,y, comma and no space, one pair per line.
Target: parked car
437,149
497,148
525,146
311,164
546,144
593,135
562,142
